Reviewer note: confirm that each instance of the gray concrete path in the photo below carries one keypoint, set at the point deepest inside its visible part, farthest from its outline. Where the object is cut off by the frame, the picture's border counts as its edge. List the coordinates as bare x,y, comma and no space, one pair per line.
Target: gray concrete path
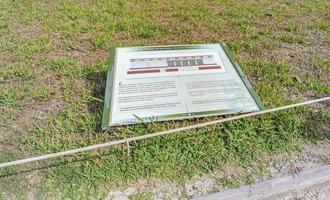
309,184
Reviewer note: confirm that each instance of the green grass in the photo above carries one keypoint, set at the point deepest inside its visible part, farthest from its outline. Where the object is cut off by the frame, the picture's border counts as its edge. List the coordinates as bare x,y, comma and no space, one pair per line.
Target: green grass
292,39
12,182
10,96
229,181
3,24
59,53
142,196
41,93
18,70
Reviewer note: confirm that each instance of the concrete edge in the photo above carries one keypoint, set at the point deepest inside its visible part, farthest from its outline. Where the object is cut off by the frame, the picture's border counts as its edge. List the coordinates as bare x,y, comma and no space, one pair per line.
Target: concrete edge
275,187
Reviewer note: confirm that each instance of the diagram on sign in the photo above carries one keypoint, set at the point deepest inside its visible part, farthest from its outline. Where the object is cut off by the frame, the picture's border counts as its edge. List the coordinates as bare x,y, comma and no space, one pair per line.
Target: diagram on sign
172,66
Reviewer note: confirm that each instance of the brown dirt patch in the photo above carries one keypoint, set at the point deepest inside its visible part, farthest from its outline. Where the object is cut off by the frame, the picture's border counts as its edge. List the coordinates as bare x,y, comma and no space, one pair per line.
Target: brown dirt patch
24,122
6,59
304,59
23,32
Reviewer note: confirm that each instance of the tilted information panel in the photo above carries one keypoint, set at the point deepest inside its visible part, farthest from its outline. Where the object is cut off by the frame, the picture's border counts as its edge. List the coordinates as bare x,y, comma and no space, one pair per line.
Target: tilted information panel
158,83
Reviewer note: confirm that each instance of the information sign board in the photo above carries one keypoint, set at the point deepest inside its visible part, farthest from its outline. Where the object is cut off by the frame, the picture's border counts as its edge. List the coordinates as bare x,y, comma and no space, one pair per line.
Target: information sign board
158,83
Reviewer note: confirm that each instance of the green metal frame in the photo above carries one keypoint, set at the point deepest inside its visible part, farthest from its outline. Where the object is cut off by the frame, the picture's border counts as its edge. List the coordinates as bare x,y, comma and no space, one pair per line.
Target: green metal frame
242,75
108,90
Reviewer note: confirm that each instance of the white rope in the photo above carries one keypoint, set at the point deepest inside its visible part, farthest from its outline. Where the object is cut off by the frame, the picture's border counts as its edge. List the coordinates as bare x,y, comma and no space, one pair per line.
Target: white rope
136,138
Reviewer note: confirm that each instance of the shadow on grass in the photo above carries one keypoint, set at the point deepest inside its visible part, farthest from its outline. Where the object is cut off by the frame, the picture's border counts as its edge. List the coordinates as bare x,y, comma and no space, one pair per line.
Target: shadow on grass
47,166
311,124
52,163
317,123
95,106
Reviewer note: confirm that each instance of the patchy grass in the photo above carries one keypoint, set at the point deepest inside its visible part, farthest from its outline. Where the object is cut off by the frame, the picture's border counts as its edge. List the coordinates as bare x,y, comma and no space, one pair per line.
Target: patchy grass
229,182
142,196
17,71
41,93
58,51
292,39
10,96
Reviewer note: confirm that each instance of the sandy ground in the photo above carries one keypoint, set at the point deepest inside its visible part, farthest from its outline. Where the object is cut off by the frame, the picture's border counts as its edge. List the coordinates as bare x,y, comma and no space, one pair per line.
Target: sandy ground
319,192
